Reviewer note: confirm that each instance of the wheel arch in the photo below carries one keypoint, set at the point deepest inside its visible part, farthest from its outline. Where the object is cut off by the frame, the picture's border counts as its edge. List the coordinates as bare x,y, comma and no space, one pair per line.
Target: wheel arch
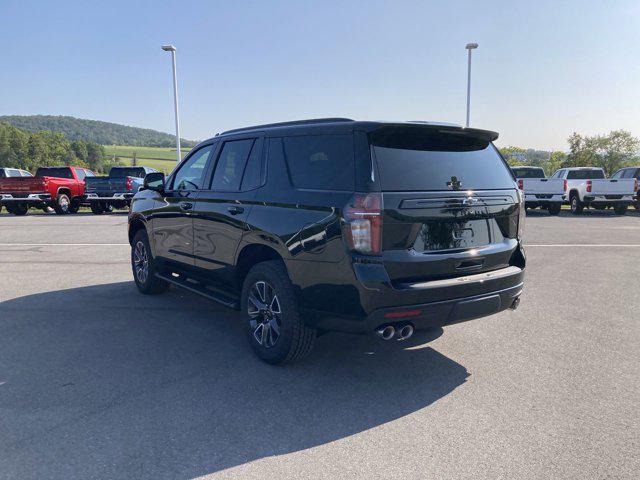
135,225
251,255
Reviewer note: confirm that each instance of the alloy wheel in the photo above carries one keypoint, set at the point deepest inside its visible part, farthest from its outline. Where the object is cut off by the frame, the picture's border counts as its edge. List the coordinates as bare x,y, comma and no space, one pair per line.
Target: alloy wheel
265,314
64,204
141,262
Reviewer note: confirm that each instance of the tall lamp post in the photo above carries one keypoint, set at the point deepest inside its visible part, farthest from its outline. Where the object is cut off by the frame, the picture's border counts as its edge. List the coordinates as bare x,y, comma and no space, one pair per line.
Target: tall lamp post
172,49
469,47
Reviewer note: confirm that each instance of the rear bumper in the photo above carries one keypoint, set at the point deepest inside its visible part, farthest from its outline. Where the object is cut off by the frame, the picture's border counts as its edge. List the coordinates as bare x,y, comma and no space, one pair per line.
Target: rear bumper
116,197
427,304
542,199
31,198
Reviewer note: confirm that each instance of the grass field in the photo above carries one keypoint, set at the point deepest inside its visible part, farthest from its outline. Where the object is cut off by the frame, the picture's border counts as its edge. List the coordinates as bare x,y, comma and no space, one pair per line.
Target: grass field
163,159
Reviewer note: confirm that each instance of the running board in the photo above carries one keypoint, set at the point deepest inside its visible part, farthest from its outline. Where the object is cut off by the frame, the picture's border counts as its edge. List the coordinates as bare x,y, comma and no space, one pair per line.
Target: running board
202,290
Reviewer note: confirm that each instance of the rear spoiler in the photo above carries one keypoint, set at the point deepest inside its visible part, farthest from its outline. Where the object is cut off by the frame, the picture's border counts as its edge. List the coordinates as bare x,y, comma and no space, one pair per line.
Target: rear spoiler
486,135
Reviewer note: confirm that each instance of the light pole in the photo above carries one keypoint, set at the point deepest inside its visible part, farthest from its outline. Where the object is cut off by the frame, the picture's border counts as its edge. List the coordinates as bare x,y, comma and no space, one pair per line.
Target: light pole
469,47
172,49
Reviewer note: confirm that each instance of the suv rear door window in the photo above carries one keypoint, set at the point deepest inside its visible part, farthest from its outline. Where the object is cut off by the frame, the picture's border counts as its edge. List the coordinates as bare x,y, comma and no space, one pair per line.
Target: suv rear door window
230,165
321,162
421,159
585,174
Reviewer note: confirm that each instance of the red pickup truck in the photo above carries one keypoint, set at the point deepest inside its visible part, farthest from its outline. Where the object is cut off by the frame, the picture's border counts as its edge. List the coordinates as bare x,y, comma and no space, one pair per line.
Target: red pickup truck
59,187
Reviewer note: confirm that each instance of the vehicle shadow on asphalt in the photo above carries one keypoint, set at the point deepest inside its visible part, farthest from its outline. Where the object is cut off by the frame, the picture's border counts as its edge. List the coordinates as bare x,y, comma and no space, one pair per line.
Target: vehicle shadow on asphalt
101,381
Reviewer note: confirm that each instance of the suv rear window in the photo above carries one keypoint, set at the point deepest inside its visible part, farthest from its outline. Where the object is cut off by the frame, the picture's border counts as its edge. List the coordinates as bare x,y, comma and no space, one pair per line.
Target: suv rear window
585,174
321,162
62,172
528,172
421,159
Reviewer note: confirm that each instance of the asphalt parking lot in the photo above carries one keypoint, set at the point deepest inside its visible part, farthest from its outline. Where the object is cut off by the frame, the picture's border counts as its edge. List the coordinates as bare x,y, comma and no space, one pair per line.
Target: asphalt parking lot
98,381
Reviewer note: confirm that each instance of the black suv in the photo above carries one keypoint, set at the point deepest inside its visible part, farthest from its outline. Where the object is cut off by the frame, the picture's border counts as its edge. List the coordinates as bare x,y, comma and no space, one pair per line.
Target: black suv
336,225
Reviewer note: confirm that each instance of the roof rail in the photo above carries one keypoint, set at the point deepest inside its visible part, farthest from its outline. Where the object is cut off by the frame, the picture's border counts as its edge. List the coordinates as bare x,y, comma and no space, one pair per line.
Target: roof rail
288,124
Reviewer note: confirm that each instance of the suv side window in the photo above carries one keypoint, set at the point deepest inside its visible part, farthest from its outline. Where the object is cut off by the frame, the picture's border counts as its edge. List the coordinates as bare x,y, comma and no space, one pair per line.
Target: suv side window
230,166
191,173
321,162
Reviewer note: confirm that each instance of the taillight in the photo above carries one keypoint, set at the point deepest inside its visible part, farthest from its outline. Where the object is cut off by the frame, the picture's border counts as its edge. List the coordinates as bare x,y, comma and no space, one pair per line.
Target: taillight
129,183
565,185
520,184
589,186
363,216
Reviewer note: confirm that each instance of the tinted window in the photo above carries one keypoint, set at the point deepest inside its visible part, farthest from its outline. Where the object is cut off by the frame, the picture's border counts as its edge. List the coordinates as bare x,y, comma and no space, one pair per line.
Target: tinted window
618,174
26,174
419,159
321,162
89,173
191,173
630,173
80,173
253,171
3,173
57,172
528,172
127,172
585,174
231,163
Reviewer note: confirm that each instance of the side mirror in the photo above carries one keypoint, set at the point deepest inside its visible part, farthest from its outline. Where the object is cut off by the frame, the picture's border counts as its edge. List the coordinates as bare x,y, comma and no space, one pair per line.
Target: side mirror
154,181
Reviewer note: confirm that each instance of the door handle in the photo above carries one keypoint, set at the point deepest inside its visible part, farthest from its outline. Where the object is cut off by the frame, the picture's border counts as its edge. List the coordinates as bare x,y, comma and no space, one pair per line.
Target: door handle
235,210
186,205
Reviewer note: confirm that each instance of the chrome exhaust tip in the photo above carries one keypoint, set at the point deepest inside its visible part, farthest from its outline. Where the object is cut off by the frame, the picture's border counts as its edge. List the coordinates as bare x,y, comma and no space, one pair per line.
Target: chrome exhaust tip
386,333
405,332
515,304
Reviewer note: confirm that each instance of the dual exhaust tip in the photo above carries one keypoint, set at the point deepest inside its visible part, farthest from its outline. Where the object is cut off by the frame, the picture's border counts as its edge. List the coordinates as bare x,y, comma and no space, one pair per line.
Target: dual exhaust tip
402,332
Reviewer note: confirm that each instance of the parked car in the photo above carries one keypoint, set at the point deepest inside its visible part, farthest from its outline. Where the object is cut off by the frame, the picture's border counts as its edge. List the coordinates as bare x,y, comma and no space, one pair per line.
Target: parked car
115,190
6,172
588,187
61,188
539,191
335,225
628,173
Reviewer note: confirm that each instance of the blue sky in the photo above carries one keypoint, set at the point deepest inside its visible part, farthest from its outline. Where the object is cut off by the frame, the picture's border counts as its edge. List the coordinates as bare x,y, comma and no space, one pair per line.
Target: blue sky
543,69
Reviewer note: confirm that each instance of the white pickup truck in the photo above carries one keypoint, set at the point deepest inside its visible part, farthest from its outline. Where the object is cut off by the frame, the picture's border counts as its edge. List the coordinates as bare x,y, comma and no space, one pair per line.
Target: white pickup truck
588,187
539,192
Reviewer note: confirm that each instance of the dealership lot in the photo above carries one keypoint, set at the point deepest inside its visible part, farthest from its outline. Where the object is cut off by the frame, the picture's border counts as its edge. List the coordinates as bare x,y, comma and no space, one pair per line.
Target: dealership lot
98,381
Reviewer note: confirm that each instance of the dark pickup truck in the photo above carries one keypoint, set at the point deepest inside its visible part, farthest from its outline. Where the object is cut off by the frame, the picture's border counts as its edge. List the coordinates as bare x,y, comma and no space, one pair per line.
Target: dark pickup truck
116,190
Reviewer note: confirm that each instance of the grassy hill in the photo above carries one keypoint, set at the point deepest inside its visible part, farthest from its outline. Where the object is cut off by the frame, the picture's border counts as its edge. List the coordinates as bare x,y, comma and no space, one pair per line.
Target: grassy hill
103,133
163,159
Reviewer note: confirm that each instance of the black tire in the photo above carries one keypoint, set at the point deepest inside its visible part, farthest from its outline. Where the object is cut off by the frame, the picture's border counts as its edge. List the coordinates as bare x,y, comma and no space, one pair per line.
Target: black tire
63,204
620,209
106,207
19,209
275,329
141,257
74,206
554,209
576,205
96,208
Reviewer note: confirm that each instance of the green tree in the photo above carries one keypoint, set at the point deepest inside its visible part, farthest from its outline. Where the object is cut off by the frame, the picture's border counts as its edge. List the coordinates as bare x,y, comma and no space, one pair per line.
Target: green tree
609,152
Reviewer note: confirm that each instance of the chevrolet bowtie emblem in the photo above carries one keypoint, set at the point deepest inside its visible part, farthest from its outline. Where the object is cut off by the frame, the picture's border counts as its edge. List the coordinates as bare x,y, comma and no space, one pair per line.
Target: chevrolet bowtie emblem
454,183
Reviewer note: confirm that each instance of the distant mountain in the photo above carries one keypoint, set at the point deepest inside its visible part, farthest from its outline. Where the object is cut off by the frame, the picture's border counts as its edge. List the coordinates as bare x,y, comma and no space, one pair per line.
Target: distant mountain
95,131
